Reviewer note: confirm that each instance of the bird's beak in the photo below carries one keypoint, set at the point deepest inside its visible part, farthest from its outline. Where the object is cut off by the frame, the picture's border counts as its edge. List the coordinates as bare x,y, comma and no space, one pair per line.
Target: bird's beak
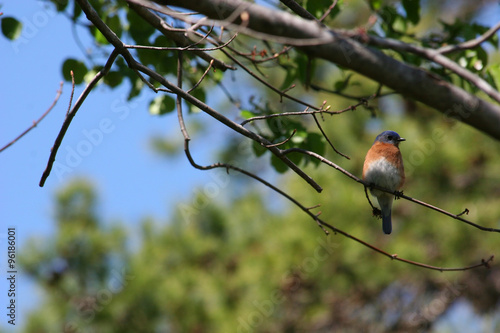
401,139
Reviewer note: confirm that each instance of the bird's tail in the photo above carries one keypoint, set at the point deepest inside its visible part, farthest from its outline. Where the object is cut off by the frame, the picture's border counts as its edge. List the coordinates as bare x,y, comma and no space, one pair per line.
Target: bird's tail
385,202
386,223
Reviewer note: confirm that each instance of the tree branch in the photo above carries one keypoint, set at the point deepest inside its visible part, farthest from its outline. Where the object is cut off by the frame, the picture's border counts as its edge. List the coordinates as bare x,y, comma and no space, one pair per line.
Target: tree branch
72,113
411,81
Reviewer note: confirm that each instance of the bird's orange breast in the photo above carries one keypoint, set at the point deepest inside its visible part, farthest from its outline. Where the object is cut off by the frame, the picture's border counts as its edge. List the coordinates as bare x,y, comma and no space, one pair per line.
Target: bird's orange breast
390,153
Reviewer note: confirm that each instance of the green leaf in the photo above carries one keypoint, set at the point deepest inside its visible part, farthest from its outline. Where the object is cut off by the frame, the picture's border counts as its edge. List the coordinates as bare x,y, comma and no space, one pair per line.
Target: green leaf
139,29
114,23
245,114
200,94
11,28
278,164
79,70
77,11
91,73
317,143
375,4
319,7
136,86
161,105
482,56
113,79
61,4
493,75
299,137
98,36
342,84
412,8
291,75
258,149
302,62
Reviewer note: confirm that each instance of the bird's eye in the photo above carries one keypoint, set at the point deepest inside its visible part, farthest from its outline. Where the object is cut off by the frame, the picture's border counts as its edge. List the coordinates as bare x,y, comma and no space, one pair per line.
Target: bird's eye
390,137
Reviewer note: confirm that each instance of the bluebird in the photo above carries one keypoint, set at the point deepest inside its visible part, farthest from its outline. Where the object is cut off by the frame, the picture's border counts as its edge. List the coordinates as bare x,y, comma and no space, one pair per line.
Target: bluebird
384,167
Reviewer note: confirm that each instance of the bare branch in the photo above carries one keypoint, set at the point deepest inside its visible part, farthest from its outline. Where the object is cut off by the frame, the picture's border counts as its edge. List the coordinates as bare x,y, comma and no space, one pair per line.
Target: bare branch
36,122
72,113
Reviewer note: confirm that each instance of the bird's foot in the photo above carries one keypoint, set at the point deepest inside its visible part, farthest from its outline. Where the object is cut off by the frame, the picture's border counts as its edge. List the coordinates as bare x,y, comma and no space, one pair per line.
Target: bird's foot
377,213
398,195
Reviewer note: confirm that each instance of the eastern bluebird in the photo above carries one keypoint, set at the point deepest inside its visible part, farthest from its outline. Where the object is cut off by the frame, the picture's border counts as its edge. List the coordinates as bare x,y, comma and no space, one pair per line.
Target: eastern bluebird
384,167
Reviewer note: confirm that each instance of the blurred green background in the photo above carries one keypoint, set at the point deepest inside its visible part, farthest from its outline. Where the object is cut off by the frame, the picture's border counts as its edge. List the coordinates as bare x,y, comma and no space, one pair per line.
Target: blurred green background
235,257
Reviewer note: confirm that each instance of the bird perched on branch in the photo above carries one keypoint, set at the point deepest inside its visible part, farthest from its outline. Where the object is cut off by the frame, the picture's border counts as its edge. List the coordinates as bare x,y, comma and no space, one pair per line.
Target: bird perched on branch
384,167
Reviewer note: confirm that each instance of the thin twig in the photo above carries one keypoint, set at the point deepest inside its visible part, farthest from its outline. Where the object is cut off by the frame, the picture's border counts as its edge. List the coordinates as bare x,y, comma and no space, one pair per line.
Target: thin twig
327,139
267,84
368,198
185,133
36,122
182,48
301,113
251,56
72,92
470,43
72,113
282,142
299,10
357,98
178,100
328,11
202,77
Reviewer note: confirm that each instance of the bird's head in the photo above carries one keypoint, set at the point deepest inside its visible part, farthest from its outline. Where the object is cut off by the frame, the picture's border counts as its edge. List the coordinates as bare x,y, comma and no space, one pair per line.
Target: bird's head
389,137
